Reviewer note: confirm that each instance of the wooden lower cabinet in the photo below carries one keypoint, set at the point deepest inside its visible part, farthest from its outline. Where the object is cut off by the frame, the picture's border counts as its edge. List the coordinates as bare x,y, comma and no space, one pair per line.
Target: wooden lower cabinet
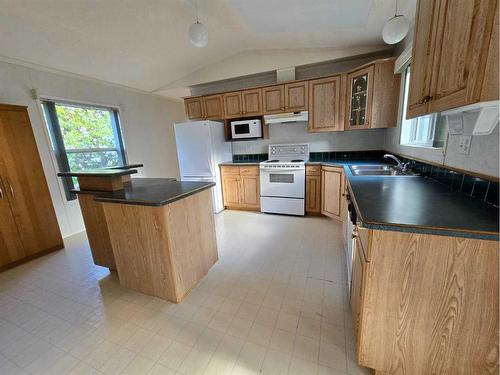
241,187
332,188
313,189
425,304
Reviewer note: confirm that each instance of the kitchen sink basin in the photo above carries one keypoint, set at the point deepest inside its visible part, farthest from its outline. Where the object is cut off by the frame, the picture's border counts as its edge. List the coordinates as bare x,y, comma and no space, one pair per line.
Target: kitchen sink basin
379,170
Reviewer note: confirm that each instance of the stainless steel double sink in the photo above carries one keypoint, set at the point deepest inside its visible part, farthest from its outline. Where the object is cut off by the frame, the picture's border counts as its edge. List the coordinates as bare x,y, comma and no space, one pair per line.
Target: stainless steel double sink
379,170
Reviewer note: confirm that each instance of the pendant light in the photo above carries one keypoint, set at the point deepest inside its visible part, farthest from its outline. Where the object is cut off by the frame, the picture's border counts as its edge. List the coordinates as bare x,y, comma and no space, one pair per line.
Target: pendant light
198,33
396,28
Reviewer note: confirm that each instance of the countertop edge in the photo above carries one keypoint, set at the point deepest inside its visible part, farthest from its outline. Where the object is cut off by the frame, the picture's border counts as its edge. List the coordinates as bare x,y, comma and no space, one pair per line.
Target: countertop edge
118,173
157,203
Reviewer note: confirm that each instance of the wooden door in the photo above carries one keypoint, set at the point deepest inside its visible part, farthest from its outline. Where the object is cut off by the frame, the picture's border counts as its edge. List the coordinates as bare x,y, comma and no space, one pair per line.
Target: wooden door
296,97
313,194
422,55
24,180
274,99
194,108
252,102
325,112
359,98
463,33
250,192
233,106
11,248
331,192
213,107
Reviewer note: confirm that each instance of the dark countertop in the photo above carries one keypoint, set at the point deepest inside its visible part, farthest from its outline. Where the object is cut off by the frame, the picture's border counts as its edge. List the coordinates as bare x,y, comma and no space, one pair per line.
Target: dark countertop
99,173
420,204
136,182
153,191
414,204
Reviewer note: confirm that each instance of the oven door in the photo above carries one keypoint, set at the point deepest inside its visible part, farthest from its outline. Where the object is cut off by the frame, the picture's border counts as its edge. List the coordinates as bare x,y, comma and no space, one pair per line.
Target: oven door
285,183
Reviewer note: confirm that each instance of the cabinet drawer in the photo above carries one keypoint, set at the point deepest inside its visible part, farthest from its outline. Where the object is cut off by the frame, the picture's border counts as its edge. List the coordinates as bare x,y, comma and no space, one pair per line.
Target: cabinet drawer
249,170
230,169
313,170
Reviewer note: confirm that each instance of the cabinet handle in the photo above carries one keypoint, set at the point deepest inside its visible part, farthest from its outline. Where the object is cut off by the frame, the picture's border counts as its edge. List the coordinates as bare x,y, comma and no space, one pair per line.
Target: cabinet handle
11,189
1,191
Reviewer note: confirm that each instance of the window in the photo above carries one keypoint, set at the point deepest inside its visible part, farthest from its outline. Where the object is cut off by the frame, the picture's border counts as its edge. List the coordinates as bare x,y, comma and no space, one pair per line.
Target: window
423,131
83,137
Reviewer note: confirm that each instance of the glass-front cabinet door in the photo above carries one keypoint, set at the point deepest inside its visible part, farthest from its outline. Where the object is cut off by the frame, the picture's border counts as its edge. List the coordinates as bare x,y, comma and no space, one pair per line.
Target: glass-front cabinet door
360,86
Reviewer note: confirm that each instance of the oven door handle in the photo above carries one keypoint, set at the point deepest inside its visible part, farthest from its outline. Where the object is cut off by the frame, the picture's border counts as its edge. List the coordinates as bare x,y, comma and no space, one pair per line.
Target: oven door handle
275,170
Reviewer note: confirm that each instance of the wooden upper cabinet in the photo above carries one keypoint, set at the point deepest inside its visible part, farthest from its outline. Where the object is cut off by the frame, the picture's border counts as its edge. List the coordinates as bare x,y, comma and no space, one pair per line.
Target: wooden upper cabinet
252,102
452,64
296,97
194,108
233,106
359,98
326,104
213,107
274,99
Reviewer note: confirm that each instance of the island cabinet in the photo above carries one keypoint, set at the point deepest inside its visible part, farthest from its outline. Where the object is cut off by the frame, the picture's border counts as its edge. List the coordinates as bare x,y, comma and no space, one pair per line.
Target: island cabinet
241,187
28,223
425,304
373,96
332,189
455,55
313,189
326,104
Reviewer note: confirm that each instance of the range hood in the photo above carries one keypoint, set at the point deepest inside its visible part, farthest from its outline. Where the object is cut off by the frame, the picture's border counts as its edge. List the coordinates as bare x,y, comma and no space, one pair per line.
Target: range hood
486,120
287,118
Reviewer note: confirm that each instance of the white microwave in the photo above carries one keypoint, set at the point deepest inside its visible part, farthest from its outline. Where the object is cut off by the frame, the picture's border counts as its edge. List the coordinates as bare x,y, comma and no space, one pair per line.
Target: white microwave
246,129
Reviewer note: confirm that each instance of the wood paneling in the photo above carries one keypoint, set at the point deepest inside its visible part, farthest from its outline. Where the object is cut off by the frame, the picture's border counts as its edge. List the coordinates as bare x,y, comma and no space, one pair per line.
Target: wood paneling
325,104
252,102
296,96
233,106
163,251
194,108
274,99
25,184
313,170
429,305
213,107
331,192
359,268
97,231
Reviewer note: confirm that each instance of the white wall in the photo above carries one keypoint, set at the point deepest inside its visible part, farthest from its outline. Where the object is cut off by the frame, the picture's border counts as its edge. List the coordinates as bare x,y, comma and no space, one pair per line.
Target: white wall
318,142
146,123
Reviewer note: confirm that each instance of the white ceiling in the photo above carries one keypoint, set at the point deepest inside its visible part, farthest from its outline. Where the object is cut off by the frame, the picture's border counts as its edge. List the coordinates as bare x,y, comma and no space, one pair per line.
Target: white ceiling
143,44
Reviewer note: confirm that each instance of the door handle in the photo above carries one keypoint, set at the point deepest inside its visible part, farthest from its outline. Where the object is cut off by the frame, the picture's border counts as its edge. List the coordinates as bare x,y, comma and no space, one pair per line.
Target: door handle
11,189
1,191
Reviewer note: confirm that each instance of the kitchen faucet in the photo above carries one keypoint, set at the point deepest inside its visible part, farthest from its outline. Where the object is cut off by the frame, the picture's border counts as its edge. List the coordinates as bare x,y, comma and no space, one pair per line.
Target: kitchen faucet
404,167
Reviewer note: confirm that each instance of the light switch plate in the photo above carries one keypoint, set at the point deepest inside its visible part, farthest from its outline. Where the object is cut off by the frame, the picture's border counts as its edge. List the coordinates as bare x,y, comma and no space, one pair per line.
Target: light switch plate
464,144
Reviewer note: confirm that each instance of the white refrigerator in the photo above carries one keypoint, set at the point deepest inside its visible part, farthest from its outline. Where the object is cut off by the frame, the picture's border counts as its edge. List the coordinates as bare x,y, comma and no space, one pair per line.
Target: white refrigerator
201,146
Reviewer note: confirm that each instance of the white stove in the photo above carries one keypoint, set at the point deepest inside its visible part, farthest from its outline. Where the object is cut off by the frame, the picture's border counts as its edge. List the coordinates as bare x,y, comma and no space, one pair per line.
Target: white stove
283,179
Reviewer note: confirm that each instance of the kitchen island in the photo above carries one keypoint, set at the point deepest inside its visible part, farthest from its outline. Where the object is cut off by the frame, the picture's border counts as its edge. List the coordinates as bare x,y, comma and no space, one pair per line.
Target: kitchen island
159,233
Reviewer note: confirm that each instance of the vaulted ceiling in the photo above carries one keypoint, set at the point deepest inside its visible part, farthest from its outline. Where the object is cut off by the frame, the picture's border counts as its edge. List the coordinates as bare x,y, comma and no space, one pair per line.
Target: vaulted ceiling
143,44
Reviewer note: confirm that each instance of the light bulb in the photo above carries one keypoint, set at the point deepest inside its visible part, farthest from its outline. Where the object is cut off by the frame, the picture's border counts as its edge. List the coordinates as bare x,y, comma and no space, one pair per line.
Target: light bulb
198,35
395,29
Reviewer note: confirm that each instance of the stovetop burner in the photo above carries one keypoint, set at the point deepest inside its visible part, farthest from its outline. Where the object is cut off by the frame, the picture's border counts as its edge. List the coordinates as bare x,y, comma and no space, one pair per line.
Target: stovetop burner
297,161
272,161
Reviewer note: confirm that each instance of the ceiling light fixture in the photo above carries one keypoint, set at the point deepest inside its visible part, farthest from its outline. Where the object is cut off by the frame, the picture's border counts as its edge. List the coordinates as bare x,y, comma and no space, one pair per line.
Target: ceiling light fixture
396,28
198,33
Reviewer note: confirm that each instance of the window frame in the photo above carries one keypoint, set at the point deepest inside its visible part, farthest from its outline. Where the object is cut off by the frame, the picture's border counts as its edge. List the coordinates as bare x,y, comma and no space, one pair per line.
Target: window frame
57,141
431,131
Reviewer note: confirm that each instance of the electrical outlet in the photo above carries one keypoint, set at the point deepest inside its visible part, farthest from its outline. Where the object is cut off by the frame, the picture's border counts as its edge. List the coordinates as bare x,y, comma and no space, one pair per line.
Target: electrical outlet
464,144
